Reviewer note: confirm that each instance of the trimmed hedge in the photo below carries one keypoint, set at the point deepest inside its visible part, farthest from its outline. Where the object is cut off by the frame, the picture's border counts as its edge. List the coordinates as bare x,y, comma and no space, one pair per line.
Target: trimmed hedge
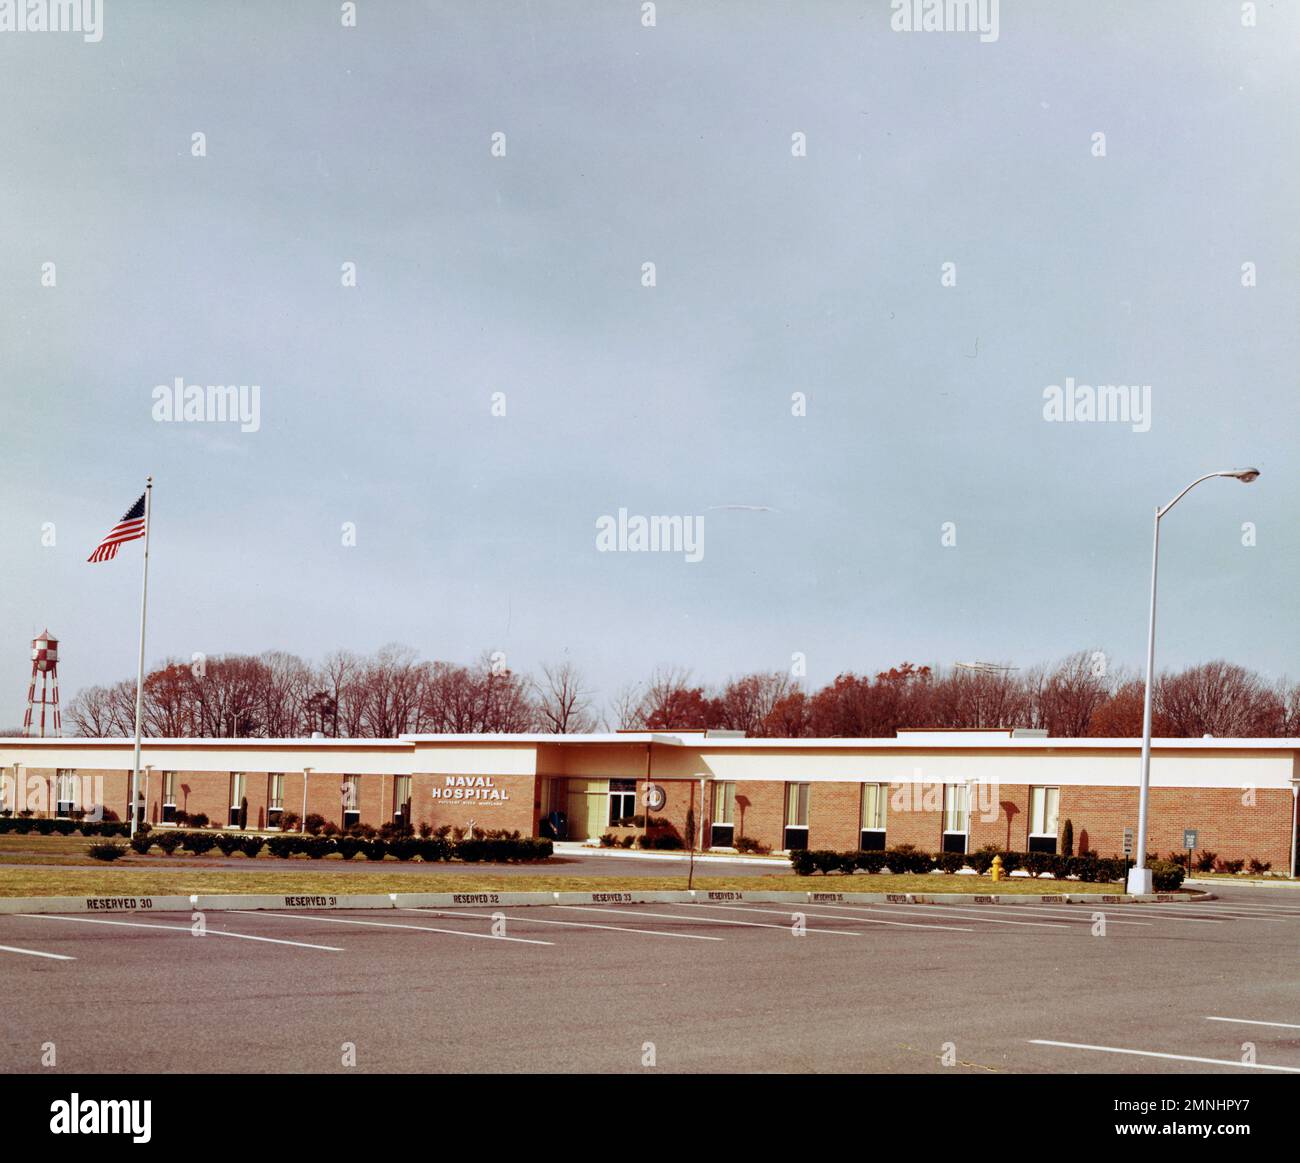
24,825
484,847
430,849
1092,869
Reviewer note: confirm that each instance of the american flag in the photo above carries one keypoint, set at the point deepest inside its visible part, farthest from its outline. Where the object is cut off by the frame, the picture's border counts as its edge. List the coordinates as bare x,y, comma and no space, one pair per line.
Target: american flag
129,528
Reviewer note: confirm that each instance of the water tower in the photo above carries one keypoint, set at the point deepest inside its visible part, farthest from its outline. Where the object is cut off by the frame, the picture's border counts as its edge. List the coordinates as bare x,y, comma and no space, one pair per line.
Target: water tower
45,666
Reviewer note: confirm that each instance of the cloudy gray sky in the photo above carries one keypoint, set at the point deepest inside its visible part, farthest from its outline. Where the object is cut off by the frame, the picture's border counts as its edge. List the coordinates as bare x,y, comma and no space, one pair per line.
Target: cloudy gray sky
775,274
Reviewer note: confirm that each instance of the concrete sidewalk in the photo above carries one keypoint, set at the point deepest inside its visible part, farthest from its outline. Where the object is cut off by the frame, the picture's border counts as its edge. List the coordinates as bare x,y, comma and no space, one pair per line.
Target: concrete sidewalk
580,848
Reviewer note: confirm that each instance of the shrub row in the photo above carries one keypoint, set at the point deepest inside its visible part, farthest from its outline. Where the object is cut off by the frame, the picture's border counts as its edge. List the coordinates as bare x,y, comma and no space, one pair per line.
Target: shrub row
495,849
665,841
1207,861
1089,868
22,825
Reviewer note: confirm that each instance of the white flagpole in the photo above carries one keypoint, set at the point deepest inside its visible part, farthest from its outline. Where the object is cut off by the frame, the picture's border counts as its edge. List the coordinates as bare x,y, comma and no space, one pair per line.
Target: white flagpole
139,673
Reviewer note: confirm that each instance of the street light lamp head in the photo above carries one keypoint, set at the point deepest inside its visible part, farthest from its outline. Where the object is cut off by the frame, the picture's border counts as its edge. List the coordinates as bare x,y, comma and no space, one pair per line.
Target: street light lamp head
1245,475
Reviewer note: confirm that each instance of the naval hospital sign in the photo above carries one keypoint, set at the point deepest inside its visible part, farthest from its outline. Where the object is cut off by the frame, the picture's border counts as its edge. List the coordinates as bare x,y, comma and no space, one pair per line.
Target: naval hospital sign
480,789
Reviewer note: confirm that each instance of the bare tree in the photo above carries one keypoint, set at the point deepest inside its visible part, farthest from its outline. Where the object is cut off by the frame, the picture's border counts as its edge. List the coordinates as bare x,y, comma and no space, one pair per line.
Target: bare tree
391,689
1068,696
286,683
624,711
504,698
392,693
90,713
1220,698
745,703
563,700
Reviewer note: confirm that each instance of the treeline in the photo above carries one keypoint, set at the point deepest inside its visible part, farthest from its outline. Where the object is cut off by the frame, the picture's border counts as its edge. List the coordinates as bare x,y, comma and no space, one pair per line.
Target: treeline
392,692
1079,696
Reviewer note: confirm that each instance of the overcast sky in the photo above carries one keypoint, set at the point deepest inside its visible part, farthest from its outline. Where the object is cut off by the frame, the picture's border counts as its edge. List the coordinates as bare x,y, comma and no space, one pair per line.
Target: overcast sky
775,274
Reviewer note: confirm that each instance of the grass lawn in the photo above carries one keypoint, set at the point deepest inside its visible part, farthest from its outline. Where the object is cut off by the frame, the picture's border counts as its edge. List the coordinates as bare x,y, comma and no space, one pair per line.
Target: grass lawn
33,849
303,876
156,875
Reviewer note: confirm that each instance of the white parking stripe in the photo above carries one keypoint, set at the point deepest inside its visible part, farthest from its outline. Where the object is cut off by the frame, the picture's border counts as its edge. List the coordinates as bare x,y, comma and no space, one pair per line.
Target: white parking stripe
1173,1057
569,924
36,953
1252,1022
392,925
699,920
1284,912
827,916
1231,914
1065,912
933,910
1173,913
178,929
1217,919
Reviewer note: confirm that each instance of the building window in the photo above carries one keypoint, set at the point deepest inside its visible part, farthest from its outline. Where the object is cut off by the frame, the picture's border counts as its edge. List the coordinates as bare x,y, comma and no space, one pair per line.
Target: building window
875,805
237,785
351,798
796,815
402,799
1044,805
723,833
274,799
956,816
622,802
65,795
169,797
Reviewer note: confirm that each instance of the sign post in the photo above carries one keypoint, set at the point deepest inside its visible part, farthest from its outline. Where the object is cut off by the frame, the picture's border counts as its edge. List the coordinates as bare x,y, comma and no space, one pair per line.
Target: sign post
1190,840
1128,850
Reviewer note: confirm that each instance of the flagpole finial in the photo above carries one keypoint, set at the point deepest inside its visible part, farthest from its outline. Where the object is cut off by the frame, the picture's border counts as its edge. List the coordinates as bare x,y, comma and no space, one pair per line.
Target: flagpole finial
148,482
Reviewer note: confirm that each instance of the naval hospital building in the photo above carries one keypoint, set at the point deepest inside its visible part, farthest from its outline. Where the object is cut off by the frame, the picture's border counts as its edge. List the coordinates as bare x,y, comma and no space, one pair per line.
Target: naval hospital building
938,790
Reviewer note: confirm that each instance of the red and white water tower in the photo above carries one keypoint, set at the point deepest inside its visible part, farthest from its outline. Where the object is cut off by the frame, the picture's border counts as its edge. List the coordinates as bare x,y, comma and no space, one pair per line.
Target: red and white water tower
45,667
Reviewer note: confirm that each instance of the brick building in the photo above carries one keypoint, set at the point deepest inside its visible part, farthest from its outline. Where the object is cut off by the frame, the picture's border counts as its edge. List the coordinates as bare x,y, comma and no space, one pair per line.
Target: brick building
938,790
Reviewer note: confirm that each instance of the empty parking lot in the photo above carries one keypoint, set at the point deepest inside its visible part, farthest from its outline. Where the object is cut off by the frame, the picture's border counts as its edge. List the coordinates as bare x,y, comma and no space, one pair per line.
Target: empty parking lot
740,985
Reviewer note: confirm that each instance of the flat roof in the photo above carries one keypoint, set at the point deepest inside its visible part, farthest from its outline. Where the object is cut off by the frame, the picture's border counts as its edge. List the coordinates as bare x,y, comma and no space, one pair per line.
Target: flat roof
911,741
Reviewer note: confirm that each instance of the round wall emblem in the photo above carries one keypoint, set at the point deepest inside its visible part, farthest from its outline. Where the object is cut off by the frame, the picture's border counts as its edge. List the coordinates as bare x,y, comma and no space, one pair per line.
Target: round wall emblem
654,797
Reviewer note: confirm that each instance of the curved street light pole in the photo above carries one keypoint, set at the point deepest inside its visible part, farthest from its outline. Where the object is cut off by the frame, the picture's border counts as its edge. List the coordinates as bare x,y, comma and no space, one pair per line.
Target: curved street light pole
1139,877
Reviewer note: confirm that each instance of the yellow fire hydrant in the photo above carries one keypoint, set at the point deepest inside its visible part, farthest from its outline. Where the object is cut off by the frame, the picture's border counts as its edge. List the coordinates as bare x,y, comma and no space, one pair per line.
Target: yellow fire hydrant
996,868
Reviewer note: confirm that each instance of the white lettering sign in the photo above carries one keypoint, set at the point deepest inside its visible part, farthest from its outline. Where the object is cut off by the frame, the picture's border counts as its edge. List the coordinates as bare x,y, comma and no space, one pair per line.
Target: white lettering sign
475,788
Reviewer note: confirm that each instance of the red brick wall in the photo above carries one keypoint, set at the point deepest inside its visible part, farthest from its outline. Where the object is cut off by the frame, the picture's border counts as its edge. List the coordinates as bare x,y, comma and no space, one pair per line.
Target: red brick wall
835,815
203,791
760,812
677,803
1000,815
1229,821
1226,825
915,816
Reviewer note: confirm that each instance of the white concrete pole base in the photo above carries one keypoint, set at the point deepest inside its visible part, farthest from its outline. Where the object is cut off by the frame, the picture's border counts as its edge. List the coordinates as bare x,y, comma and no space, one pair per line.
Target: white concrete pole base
1139,880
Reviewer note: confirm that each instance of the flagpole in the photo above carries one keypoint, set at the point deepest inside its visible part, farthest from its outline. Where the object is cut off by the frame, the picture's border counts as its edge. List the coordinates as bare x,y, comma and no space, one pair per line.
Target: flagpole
139,672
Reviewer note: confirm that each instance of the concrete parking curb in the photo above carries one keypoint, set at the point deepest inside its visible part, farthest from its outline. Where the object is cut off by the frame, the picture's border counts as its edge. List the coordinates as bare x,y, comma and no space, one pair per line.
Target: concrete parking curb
308,902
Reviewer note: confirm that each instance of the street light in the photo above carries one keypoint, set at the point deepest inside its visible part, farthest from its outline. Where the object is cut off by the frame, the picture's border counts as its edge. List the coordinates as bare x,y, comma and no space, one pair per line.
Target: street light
1139,877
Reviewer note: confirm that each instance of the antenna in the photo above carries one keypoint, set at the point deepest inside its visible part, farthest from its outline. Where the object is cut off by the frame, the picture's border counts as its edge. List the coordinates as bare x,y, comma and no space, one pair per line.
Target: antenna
986,667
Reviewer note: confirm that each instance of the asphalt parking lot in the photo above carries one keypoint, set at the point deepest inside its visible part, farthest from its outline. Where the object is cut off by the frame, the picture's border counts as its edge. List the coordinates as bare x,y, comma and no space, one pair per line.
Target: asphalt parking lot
1032,988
